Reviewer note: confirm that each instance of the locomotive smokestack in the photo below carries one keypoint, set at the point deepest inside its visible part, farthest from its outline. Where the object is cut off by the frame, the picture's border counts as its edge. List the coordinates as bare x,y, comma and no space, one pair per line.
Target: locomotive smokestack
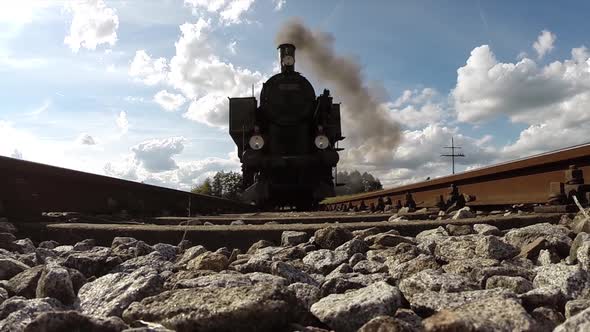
287,58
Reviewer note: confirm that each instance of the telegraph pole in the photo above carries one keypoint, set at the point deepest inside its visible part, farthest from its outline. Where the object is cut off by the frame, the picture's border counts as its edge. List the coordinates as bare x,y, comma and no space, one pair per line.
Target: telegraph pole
453,154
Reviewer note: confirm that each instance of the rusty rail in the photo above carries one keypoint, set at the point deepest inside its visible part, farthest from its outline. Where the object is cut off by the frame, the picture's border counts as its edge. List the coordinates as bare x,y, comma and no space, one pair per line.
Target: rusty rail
28,189
543,178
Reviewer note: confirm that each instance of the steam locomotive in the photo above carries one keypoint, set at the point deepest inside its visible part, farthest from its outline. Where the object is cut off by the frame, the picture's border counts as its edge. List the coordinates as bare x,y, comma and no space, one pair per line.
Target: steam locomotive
288,144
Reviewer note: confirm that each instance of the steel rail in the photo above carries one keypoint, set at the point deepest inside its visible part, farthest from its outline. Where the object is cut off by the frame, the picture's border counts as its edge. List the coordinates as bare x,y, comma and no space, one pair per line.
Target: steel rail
525,180
29,188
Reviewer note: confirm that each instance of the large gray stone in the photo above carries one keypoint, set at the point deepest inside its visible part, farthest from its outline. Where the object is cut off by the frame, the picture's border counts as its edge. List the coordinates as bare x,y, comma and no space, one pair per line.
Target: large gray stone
74,321
369,267
455,248
208,261
3,295
542,297
386,324
466,267
493,247
580,238
429,302
25,283
387,240
354,246
496,313
230,280
573,307
332,237
406,269
349,311
517,284
24,246
344,282
577,323
109,295
403,252
557,236
168,251
293,238
246,308
17,312
485,229
547,318
153,260
306,294
94,262
572,280
190,254
583,256
435,280
10,267
325,260
55,282
291,274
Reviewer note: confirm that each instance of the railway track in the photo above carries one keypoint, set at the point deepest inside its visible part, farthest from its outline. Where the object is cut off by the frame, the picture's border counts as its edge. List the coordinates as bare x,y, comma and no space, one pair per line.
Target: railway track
550,178
28,189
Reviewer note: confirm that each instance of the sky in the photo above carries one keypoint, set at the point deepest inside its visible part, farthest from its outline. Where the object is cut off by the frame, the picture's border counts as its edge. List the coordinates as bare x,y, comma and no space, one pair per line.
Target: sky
138,89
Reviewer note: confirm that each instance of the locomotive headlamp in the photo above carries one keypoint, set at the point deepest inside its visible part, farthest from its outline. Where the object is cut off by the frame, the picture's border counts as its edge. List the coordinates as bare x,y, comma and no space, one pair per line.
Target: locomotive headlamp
321,142
256,142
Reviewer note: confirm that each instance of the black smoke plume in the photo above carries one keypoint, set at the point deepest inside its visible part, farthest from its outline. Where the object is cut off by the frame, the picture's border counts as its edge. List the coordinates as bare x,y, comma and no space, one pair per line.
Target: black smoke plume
372,135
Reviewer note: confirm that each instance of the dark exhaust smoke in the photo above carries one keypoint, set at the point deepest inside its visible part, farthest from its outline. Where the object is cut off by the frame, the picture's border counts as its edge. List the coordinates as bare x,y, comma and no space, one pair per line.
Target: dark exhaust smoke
372,135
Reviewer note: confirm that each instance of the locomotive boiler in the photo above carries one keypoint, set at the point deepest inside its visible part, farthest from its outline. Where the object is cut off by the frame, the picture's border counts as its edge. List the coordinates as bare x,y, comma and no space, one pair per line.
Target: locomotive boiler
287,144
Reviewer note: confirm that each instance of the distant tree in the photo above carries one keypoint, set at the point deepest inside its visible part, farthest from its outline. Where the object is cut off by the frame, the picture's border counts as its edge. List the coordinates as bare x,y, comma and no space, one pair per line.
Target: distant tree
355,182
203,188
224,184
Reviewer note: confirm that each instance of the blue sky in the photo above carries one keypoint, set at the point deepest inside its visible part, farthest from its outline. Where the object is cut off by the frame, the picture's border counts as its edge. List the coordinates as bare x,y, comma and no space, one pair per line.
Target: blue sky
137,89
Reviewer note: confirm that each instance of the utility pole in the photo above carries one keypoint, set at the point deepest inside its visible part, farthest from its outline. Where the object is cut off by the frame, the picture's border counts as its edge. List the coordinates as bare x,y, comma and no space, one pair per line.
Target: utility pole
453,154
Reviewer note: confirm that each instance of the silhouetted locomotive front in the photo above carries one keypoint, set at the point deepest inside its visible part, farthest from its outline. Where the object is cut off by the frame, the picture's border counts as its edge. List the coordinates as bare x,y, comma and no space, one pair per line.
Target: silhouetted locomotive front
287,144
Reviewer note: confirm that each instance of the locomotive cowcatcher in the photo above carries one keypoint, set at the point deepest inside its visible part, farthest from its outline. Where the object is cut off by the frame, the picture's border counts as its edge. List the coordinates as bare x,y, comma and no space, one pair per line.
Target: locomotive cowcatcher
287,144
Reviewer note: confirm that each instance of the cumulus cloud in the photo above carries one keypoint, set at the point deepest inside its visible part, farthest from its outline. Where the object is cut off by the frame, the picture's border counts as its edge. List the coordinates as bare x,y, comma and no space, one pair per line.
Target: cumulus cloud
552,100
93,23
122,122
169,101
147,70
201,76
416,109
155,155
85,139
229,11
544,43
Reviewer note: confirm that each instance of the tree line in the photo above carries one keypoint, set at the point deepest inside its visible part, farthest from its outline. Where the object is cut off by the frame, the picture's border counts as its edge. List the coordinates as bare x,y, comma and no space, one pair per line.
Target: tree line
229,184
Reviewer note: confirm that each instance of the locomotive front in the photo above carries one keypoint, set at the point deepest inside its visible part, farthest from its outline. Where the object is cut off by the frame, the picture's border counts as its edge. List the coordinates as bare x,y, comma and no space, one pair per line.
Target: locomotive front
287,144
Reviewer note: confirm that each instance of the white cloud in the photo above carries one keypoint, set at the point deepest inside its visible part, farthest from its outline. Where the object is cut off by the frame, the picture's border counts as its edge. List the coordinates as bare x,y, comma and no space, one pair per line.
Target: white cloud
149,71
523,90
93,23
415,109
544,43
85,139
155,155
229,11
22,11
279,4
122,122
199,74
169,101
13,62
184,176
